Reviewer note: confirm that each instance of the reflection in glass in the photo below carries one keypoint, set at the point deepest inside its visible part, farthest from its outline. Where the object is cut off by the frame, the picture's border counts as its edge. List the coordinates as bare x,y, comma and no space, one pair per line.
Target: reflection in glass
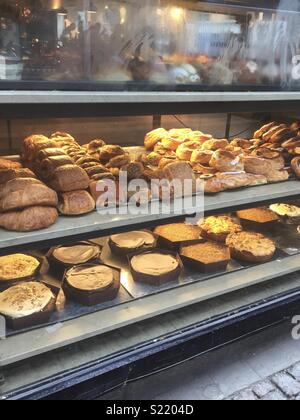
144,44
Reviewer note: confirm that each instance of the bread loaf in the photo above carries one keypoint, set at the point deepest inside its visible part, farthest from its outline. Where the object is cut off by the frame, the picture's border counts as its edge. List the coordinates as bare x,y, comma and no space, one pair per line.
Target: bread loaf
47,153
18,184
69,178
76,203
29,219
8,174
48,166
9,164
34,195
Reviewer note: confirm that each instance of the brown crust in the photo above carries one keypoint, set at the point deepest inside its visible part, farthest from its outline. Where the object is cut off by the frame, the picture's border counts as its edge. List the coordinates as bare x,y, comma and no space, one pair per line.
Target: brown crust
124,252
295,165
247,256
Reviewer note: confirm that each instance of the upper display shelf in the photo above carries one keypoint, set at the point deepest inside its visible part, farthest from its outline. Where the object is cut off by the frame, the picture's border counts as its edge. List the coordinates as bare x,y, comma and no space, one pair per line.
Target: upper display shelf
149,45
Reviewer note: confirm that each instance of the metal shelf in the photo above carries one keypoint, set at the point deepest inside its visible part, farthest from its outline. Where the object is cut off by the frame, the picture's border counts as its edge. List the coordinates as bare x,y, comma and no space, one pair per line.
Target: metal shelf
69,229
57,97
30,344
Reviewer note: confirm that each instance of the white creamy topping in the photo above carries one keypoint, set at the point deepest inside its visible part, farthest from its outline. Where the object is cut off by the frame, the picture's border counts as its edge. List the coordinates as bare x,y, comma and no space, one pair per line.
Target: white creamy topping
154,264
135,239
25,299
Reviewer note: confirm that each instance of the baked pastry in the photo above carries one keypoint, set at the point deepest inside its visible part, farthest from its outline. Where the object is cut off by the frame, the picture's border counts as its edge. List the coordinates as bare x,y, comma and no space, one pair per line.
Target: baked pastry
251,247
295,165
61,135
292,145
34,194
257,219
17,267
172,143
125,243
154,137
175,235
185,150
199,137
155,267
215,144
241,143
201,156
69,178
108,152
226,181
9,164
47,153
119,161
95,169
63,257
75,203
266,167
264,129
225,161
266,137
134,170
288,213
217,228
278,176
276,158
180,171
182,133
94,145
206,257
91,284
18,184
29,219
27,304
48,166
281,135
8,174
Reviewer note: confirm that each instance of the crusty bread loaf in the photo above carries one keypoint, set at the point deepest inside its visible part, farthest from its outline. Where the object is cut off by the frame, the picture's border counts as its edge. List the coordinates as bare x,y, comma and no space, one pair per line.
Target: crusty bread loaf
225,161
8,174
69,178
76,203
33,195
48,166
18,184
47,153
29,219
226,181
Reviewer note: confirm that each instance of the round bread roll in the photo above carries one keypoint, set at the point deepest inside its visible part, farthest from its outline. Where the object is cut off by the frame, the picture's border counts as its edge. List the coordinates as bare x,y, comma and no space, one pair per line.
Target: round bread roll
225,161
201,156
215,144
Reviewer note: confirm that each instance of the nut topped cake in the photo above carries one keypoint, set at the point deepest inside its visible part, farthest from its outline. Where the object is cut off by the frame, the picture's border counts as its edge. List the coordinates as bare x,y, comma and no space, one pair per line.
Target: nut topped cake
17,266
251,246
208,256
217,228
25,299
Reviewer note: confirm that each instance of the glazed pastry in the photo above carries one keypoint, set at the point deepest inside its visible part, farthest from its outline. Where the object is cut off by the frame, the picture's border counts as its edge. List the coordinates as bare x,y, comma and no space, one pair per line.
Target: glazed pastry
217,228
185,150
215,144
207,257
29,219
259,133
9,164
155,137
76,203
201,156
225,161
251,247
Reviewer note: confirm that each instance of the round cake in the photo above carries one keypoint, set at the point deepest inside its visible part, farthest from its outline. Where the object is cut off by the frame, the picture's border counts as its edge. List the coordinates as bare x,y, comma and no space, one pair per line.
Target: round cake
17,266
217,228
124,243
80,253
251,246
154,264
25,299
287,212
90,278
178,232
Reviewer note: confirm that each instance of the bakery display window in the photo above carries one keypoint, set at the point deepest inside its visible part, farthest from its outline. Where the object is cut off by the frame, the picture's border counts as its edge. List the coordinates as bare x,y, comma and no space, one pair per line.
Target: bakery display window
160,45
88,256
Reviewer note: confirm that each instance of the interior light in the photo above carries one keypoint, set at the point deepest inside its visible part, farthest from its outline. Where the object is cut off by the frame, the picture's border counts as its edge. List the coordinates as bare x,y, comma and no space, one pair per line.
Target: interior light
176,13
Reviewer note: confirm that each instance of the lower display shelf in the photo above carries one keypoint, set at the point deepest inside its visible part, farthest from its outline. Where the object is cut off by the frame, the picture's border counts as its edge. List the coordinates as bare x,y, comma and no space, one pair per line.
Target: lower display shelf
136,302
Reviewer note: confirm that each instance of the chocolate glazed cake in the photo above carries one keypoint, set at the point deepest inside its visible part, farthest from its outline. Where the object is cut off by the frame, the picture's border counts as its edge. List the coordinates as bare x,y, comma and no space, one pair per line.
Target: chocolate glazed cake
155,266
91,284
127,243
27,304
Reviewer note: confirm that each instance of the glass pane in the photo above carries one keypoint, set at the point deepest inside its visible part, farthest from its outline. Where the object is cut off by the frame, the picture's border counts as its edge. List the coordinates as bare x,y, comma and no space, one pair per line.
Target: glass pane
150,44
